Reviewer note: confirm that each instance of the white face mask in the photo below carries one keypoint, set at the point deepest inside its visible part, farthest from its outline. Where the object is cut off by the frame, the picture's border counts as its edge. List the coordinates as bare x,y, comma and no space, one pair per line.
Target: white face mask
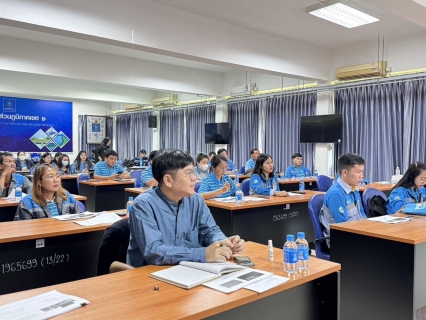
65,163
204,167
22,158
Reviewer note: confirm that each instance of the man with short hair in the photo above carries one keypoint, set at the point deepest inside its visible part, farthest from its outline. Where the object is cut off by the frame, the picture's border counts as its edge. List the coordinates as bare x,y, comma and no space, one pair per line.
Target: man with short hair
109,169
252,161
147,179
296,169
9,179
224,152
170,223
342,202
141,157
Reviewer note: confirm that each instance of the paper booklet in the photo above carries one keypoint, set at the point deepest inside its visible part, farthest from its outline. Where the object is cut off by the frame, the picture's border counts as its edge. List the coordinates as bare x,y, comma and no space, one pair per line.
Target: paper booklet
191,274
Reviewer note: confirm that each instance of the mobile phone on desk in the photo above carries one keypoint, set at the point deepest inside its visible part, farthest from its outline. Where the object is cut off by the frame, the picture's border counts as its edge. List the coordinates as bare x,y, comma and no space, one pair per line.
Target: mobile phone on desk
243,261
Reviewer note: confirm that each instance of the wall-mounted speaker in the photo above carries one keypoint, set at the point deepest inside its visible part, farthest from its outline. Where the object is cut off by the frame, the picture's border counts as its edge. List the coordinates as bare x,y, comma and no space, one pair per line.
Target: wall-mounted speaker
152,121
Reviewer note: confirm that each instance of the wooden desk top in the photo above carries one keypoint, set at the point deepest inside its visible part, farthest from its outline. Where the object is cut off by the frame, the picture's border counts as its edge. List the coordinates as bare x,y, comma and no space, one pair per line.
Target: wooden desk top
378,186
412,232
43,228
240,176
129,294
13,203
79,198
106,182
271,201
136,190
69,176
289,181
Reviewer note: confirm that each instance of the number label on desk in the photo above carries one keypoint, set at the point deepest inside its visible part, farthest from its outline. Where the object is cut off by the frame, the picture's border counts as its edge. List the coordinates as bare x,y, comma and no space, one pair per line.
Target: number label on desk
284,216
40,243
34,263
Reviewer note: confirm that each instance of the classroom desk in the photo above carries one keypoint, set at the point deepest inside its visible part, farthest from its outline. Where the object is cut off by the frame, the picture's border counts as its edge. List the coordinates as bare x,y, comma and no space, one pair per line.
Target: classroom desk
69,252
133,192
136,168
293,185
386,188
260,221
383,269
69,183
130,295
241,177
8,207
104,195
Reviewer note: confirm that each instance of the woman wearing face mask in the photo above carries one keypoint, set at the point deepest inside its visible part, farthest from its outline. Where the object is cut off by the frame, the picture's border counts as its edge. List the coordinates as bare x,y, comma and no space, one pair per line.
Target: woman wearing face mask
23,164
64,165
202,168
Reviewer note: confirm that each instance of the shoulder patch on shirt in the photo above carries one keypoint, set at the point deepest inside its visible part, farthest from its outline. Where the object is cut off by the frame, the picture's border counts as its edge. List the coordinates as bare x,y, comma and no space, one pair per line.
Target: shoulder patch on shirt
348,201
256,181
396,198
341,210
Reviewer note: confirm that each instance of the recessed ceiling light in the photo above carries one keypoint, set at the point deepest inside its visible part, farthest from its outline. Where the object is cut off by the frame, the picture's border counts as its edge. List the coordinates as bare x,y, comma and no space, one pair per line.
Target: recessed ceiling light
343,12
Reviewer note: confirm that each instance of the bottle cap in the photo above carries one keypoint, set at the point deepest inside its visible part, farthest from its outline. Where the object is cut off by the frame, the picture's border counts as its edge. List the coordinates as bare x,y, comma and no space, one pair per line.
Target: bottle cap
269,243
301,235
290,237
130,198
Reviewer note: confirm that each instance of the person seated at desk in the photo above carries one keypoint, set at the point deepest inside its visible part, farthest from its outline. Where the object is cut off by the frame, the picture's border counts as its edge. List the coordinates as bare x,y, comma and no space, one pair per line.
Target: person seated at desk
202,167
56,157
46,158
147,178
47,198
22,163
264,181
169,223
109,169
211,154
224,153
217,184
364,181
342,202
64,165
141,157
250,164
410,189
9,179
81,163
296,169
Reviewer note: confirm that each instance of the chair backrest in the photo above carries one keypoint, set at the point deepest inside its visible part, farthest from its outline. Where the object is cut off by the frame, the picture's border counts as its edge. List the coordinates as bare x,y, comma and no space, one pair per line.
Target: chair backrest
138,182
245,187
242,170
324,183
135,174
197,186
314,207
81,177
368,194
114,245
81,205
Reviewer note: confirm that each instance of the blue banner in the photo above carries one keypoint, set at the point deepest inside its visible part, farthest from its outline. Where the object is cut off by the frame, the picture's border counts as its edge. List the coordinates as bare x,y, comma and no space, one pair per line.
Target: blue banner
35,125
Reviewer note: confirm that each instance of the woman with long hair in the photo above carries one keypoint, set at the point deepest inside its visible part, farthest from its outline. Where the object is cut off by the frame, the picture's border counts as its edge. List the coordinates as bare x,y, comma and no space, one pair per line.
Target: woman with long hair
99,151
47,198
81,163
46,158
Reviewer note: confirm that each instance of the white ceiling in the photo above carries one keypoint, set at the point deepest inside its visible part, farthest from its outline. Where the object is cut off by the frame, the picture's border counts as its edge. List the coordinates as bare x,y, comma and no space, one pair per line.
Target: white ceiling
287,19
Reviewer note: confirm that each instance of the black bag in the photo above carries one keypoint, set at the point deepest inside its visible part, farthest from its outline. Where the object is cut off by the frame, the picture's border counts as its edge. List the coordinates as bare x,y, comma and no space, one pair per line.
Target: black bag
376,207
128,163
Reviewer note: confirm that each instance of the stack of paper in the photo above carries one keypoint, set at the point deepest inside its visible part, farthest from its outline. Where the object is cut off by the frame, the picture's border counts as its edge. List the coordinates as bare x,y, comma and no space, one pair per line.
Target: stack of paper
103,218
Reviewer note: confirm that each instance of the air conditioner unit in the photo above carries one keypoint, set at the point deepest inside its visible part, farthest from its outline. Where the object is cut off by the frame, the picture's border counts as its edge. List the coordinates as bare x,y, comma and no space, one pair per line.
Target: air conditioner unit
166,101
367,70
131,107
243,90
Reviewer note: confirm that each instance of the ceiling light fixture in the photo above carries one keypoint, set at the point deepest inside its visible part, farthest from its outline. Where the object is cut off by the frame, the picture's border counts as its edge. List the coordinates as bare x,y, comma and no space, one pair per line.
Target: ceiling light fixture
343,12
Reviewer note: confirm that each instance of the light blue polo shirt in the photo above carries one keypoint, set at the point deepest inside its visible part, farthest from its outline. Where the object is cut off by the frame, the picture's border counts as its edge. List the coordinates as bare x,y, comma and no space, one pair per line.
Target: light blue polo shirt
211,183
249,164
102,169
146,176
301,172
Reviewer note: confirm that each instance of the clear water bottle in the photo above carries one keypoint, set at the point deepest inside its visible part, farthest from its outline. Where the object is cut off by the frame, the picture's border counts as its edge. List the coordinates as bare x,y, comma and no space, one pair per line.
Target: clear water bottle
124,169
290,255
274,186
237,179
141,163
302,251
307,174
302,185
397,171
238,197
316,174
293,175
282,176
18,193
129,205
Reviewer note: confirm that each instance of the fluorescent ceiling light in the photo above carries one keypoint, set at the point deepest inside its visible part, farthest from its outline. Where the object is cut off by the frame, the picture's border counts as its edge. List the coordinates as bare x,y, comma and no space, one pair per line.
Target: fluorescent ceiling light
343,12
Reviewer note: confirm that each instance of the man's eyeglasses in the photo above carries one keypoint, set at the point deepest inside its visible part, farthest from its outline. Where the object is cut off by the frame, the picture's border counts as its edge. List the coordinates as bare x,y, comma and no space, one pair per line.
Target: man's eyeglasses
190,173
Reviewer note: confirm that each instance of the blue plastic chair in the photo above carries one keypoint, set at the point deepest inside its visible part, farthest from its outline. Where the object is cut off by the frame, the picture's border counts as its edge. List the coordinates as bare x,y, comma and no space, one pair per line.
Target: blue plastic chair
245,187
137,183
324,183
135,174
242,170
81,205
368,194
314,207
197,186
81,177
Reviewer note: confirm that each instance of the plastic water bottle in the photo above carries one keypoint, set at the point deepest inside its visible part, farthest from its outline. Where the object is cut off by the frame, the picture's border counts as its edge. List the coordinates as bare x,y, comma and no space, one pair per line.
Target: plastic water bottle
141,163
306,174
124,169
293,175
290,255
18,193
316,174
129,205
237,179
397,171
302,251
238,197
282,176
302,185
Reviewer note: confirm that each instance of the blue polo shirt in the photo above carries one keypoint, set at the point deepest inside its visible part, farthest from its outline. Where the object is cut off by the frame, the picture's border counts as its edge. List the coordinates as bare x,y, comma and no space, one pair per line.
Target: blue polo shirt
400,196
263,186
146,176
249,164
211,183
301,172
102,169
231,165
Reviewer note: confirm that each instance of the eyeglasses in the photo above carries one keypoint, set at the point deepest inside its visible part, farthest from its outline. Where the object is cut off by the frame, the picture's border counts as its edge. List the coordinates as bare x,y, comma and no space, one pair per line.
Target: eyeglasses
52,177
190,173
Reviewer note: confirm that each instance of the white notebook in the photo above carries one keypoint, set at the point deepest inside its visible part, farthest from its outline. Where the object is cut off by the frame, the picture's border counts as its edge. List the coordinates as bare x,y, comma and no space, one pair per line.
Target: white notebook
191,274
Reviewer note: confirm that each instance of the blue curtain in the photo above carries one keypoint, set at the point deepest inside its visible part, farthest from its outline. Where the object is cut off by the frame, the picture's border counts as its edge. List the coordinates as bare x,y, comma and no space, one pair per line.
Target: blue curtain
173,129
196,119
282,128
373,124
244,119
133,134
82,133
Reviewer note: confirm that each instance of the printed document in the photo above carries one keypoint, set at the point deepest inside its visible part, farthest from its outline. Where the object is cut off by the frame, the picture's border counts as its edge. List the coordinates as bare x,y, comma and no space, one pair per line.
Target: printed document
109,218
